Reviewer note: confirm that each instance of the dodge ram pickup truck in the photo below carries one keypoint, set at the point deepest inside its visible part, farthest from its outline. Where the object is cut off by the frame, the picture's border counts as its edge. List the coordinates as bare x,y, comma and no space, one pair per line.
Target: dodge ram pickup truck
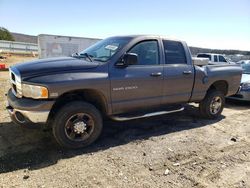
122,78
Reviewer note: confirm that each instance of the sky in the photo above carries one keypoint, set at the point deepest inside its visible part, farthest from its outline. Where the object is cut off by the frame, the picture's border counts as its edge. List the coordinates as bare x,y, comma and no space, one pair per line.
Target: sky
220,24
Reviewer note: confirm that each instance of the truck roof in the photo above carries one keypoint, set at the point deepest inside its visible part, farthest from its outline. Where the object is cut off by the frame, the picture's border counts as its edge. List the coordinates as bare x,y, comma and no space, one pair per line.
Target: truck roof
149,36
209,54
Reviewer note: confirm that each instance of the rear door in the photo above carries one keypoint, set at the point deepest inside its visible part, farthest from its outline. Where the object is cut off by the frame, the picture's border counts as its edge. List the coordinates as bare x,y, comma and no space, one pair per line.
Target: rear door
138,86
178,73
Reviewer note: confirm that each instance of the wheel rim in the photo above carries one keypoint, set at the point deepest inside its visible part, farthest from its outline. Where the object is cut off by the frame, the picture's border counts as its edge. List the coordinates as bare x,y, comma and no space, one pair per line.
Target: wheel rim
215,105
79,127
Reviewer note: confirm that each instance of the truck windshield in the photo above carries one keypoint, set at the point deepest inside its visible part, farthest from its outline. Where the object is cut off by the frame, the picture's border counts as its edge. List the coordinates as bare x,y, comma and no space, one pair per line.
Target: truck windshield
104,49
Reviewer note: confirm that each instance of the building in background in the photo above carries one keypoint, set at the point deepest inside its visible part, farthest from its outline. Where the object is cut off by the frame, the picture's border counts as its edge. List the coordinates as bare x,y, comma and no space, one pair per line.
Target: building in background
55,46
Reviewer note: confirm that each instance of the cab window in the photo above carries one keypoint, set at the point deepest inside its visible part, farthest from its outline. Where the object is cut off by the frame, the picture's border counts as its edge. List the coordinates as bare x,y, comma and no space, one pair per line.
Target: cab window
222,59
215,58
204,56
147,52
174,52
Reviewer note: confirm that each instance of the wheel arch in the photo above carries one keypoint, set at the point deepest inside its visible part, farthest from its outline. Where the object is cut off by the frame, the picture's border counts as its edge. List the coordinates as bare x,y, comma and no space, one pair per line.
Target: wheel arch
220,85
91,96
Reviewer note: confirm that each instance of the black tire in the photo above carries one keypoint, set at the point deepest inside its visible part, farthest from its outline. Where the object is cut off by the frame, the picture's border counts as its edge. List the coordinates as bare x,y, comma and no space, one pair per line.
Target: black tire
63,128
206,107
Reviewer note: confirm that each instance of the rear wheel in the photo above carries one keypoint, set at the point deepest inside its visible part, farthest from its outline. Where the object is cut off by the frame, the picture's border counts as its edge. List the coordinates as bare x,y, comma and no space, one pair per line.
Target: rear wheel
77,125
212,105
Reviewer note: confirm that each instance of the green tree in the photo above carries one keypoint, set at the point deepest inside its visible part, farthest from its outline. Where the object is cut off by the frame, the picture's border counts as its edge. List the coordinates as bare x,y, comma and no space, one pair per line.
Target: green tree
5,34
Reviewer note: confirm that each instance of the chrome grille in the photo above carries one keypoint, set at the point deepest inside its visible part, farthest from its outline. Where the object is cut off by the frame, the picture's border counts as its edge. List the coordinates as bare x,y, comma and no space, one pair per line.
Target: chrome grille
15,80
13,77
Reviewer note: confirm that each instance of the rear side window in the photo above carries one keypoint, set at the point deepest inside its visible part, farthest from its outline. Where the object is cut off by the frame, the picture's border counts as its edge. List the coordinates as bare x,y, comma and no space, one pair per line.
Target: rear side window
174,52
222,59
204,56
215,58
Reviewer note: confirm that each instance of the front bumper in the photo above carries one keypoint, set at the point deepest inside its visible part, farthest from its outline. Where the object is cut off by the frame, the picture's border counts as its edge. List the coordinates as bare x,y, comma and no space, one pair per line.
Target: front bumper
241,95
22,116
26,111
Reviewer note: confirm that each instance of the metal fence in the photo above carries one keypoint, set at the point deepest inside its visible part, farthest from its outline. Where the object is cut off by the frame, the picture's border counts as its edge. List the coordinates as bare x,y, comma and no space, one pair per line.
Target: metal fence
18,47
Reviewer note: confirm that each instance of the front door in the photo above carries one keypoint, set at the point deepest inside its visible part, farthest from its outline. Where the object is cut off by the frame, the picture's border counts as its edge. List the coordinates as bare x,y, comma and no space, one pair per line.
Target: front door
138,86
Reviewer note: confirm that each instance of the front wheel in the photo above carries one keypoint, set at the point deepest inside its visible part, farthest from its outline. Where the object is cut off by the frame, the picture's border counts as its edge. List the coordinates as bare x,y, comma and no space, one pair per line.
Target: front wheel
212,105
77,125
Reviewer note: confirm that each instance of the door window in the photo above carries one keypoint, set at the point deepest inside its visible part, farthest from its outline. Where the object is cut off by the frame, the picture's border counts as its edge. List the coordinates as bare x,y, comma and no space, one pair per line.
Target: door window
215,58
174,52
222,59
147,52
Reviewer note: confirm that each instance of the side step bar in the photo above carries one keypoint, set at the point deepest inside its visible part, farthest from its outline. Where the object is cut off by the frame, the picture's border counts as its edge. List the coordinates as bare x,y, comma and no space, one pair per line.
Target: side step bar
124,118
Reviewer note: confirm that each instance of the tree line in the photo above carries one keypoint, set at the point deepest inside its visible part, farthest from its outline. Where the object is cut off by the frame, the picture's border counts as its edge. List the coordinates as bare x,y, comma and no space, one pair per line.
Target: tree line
5,34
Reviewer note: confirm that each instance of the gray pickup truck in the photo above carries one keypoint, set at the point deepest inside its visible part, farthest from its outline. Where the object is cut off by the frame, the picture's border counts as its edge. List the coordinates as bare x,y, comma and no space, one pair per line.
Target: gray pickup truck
123,78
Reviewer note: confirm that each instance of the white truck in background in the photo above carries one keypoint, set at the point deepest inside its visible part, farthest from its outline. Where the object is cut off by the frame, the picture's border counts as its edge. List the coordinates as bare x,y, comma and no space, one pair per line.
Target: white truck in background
215,58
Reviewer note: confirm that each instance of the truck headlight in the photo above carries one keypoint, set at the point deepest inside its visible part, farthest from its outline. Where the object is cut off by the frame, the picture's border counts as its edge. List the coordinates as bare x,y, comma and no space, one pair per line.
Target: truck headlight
245,86
35,92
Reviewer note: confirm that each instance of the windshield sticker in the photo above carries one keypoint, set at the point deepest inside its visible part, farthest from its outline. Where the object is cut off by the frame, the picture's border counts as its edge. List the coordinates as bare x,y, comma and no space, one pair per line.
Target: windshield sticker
111,47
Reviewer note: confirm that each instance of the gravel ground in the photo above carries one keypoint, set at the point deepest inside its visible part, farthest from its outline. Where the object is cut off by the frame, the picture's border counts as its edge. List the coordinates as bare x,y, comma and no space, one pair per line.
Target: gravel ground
176,150
12,59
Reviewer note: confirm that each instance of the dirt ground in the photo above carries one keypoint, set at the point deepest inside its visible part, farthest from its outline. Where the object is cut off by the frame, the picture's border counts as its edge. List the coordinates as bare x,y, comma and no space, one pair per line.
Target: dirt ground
176,150
11,59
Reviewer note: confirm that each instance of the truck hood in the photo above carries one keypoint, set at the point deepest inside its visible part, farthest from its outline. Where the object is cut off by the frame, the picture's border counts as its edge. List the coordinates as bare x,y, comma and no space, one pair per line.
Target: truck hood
53,65
245,78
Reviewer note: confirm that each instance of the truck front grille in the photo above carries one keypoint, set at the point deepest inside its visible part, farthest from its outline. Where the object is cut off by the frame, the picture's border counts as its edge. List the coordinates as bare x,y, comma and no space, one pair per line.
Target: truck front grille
14,88
13,77
15,80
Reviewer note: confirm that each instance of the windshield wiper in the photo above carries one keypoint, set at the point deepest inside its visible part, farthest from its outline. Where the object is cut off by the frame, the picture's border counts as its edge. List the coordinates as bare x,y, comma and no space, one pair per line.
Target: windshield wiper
76,55
88,56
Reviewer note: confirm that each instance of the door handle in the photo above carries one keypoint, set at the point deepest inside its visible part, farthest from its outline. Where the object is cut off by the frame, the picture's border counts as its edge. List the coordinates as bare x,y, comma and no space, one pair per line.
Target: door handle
155,74
187,72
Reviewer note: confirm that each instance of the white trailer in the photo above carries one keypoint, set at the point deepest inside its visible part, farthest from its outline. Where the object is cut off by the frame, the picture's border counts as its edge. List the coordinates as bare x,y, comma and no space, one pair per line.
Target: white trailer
55,46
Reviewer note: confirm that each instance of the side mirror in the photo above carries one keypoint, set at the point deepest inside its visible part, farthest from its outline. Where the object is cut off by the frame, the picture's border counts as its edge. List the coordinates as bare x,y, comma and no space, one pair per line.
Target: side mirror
128,59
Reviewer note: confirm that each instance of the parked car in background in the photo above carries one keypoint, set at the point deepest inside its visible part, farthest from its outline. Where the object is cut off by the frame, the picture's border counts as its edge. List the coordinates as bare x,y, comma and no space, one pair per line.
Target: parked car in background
215,58
243,62
244,90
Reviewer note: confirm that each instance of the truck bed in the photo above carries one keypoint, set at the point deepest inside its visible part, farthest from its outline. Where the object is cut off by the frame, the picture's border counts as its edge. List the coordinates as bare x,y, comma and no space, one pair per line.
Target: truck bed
206,75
